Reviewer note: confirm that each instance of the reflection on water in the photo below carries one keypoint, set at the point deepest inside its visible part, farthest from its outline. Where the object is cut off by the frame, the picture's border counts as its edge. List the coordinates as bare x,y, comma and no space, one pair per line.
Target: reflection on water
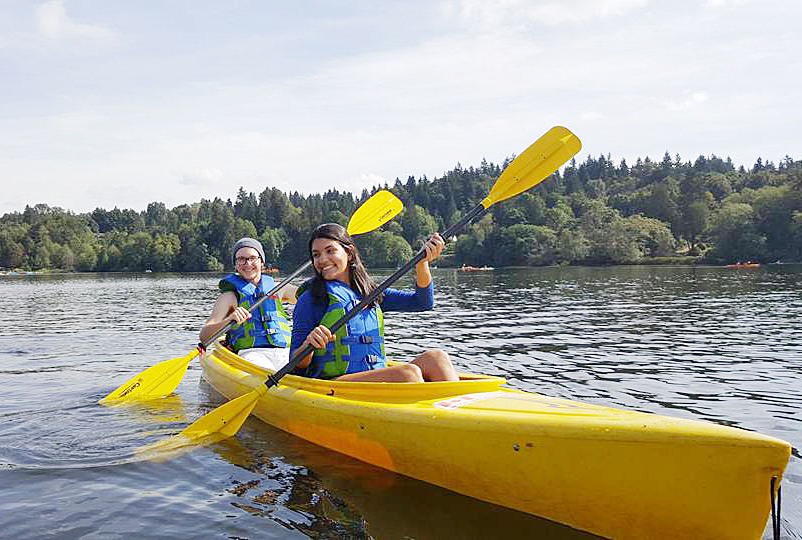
711,343
364,501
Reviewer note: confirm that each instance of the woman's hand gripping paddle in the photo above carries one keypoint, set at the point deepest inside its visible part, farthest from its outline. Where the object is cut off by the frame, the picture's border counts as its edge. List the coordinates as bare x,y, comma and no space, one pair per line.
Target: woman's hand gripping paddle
531,167
162,379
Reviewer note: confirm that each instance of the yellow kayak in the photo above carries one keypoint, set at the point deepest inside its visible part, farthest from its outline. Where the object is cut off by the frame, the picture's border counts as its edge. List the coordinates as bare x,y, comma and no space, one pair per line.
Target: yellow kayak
611,472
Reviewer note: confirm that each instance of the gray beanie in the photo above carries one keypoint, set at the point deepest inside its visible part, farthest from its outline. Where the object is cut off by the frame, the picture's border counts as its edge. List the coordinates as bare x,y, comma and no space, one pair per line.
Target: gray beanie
247,242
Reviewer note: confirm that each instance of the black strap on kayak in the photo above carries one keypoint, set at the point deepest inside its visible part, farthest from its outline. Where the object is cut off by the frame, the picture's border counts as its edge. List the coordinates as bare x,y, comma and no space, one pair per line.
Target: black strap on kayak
775,512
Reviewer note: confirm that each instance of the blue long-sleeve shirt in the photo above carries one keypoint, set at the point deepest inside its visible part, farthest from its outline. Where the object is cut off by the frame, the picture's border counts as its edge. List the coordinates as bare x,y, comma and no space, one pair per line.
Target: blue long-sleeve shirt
307,314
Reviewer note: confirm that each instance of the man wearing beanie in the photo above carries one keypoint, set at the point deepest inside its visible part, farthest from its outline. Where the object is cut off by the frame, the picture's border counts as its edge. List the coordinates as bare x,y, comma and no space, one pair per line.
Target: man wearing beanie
262,336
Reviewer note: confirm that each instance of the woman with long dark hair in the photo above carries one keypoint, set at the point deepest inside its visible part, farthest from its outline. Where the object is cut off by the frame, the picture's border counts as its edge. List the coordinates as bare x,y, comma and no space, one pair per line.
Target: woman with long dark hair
356,351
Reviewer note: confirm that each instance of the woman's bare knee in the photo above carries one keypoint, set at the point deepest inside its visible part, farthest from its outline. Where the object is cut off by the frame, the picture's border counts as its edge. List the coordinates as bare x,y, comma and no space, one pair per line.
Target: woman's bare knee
410,373
436,366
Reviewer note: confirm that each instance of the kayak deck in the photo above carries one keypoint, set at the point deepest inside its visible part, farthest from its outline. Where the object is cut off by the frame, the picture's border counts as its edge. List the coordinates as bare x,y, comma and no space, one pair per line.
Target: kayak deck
613,472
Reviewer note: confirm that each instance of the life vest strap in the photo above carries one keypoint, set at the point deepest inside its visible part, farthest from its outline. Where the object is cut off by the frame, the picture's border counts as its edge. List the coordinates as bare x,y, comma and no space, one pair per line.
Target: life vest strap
364,340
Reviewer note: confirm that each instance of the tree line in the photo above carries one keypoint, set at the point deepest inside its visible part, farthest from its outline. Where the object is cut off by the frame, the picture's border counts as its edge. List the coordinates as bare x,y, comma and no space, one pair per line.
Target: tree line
594,212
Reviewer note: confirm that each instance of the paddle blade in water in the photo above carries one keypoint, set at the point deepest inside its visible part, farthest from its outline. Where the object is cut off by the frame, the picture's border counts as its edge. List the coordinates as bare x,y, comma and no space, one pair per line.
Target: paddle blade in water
221,423
375,212
535,164
153,383
225,419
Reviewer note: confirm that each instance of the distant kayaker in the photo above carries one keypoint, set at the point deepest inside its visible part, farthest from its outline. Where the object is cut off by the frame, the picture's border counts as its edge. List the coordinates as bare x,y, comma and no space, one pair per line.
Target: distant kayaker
261,337
357,351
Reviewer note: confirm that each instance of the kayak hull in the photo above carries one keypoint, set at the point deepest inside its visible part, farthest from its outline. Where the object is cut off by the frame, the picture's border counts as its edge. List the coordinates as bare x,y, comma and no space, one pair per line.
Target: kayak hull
615,473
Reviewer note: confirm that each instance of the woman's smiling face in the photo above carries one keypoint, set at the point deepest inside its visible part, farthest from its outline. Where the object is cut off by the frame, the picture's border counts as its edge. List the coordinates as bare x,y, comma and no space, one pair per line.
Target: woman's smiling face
330,259
249,264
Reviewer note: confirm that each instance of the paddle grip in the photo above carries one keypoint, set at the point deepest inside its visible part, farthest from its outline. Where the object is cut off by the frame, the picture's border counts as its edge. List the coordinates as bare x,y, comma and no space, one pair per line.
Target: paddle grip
256,304
369,299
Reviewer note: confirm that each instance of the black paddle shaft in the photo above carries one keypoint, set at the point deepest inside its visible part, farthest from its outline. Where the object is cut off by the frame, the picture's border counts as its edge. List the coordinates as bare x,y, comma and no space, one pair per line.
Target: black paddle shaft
256,304
272,380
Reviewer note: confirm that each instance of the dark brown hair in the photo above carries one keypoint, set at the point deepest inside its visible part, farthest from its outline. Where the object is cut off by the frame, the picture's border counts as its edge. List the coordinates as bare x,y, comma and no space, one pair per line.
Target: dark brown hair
360,282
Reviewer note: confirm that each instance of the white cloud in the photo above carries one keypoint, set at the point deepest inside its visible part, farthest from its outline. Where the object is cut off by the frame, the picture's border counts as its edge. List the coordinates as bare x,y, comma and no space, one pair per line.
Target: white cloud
54,23
365,180
692,101
200,177
721,3
540,13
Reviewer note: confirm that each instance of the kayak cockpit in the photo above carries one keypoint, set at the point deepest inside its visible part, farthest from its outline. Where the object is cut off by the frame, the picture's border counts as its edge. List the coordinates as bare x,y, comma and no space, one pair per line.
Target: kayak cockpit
369,391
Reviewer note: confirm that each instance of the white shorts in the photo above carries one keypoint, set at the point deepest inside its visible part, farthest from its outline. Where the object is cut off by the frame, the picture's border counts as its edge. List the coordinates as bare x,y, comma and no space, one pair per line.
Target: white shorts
273,358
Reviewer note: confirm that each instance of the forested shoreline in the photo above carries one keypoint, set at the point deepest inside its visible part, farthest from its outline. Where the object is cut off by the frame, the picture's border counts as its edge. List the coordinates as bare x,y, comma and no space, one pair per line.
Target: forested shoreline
593,213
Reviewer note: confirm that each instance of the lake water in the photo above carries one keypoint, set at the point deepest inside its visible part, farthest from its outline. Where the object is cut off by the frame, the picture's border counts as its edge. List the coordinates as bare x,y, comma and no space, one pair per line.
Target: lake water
709,343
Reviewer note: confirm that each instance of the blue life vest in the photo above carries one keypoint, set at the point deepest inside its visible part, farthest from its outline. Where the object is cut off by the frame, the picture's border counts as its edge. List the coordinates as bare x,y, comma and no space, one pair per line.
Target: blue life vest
358,346
268,325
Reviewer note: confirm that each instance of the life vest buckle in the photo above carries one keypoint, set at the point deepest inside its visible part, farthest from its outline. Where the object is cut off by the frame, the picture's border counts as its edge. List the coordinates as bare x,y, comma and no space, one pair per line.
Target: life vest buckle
366,339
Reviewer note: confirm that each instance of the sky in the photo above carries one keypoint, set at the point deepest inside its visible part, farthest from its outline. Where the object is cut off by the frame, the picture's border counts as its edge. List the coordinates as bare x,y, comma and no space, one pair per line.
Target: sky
106,104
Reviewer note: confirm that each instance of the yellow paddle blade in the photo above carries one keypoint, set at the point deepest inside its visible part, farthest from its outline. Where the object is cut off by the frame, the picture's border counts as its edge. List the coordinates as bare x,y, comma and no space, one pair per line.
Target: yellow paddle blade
535,164
375,212
219,424
225,419
153,383
169,448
